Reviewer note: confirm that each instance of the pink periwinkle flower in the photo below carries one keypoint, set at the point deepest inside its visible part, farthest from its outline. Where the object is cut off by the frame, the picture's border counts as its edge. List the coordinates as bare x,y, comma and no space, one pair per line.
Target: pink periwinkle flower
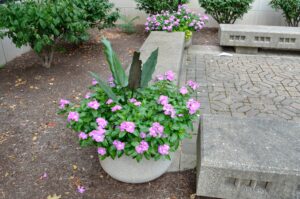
116,108
119,145
170,75
143,135
63,103
109,101
193,106
81,189
193,85
73,116
137,103
101,151
87,96
142,147
111,81
82,136
94,82
102,123
132,100
94,104
169,110
98,135
159,78
127,126
164,149
156,130
183,90
163,100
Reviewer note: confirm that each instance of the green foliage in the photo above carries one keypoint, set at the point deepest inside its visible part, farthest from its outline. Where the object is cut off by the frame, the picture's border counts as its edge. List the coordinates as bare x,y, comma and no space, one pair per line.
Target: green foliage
128,24
42,24
226,11
157,6
291,10
148,68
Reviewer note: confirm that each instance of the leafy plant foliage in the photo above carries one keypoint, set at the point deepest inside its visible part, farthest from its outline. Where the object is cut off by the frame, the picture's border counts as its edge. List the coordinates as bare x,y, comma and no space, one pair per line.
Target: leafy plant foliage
157,6
291,10
127,24
226,11
42,24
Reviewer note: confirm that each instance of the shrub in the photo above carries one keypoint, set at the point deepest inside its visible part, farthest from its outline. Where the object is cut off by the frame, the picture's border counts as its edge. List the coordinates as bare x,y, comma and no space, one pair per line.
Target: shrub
128,116
42,24
226,11
157,6
182,20
128,24
291,10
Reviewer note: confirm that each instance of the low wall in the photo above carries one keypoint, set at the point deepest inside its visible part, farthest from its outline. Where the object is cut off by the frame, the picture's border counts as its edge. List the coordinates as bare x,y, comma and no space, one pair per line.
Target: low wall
260,14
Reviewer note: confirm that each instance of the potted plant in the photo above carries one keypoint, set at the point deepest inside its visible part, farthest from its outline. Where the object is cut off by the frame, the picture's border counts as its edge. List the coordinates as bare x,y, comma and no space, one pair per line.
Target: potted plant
183,20
135,125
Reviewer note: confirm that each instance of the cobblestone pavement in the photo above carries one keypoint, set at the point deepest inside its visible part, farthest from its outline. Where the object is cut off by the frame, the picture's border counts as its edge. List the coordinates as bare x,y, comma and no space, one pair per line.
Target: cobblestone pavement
246,85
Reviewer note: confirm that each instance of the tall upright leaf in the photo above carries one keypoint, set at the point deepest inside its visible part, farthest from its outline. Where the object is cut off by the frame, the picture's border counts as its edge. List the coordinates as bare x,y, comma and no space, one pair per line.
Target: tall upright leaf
105,87
135,72
148,68
114,63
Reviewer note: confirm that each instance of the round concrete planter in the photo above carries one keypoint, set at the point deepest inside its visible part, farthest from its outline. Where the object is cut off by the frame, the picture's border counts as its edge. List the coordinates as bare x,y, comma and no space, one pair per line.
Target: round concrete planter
127,169
188,43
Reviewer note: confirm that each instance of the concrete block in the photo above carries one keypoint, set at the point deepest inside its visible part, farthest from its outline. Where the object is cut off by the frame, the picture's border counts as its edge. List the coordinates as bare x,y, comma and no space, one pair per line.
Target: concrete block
257,36
248,158
246,50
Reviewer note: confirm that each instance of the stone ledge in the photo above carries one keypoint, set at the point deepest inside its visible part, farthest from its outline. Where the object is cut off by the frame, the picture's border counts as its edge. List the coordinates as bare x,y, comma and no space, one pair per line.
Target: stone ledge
248,158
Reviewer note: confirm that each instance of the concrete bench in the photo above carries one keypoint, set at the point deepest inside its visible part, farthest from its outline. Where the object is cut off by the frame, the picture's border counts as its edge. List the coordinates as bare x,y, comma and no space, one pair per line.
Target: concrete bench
242,158
248,38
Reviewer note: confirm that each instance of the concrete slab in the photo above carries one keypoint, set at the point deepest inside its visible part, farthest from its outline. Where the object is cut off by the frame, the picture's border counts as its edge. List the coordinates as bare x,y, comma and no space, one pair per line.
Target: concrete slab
248,158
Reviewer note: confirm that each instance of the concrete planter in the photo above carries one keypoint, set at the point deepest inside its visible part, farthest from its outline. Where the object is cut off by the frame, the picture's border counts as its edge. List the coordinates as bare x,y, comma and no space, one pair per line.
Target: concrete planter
126,169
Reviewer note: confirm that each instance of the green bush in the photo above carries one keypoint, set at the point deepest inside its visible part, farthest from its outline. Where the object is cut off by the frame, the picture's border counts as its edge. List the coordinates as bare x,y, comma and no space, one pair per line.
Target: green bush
156,6
127,24
291,10
42,24
226,11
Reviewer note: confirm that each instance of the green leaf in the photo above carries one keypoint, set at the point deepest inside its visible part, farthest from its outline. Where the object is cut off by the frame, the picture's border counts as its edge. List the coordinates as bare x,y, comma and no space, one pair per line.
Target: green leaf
114,63
105,87
148,68
135,72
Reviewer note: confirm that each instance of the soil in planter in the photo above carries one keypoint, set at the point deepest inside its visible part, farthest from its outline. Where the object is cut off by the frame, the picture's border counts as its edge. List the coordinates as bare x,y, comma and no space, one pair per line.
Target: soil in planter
34,140
207,36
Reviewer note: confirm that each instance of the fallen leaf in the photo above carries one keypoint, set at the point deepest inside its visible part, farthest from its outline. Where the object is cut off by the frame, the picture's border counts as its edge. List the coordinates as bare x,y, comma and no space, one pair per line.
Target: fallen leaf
34,138
193,196
54,196
75,167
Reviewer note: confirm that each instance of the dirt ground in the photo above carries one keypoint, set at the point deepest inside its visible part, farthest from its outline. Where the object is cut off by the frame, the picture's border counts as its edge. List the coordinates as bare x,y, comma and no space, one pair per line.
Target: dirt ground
39,157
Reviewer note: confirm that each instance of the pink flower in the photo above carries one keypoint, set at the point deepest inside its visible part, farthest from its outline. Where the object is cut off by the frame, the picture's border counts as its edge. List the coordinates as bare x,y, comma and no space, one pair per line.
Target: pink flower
205,17
94,82
132,100
160,78
164,149
127,126
163,100
102,123
142,147
101,151
143,135
170,75
193,85
82,136
138,103
98,135
147,29
183,90
193,106
63,103
156,130
169,110
109,101
73,116
93,104
87,96
111,82
119,145
80,189
116,108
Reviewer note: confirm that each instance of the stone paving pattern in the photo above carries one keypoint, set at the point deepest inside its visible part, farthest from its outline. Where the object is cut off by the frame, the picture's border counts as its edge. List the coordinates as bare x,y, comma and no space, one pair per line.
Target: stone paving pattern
246,85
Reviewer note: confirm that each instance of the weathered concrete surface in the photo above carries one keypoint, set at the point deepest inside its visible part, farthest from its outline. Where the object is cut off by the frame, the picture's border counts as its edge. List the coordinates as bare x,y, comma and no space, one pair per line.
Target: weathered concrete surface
248,158
275,37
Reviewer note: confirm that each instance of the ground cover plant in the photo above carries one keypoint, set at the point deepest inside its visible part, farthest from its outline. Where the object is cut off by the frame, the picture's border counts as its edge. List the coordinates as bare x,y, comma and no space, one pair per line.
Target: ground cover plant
226,11
43,24
130,116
